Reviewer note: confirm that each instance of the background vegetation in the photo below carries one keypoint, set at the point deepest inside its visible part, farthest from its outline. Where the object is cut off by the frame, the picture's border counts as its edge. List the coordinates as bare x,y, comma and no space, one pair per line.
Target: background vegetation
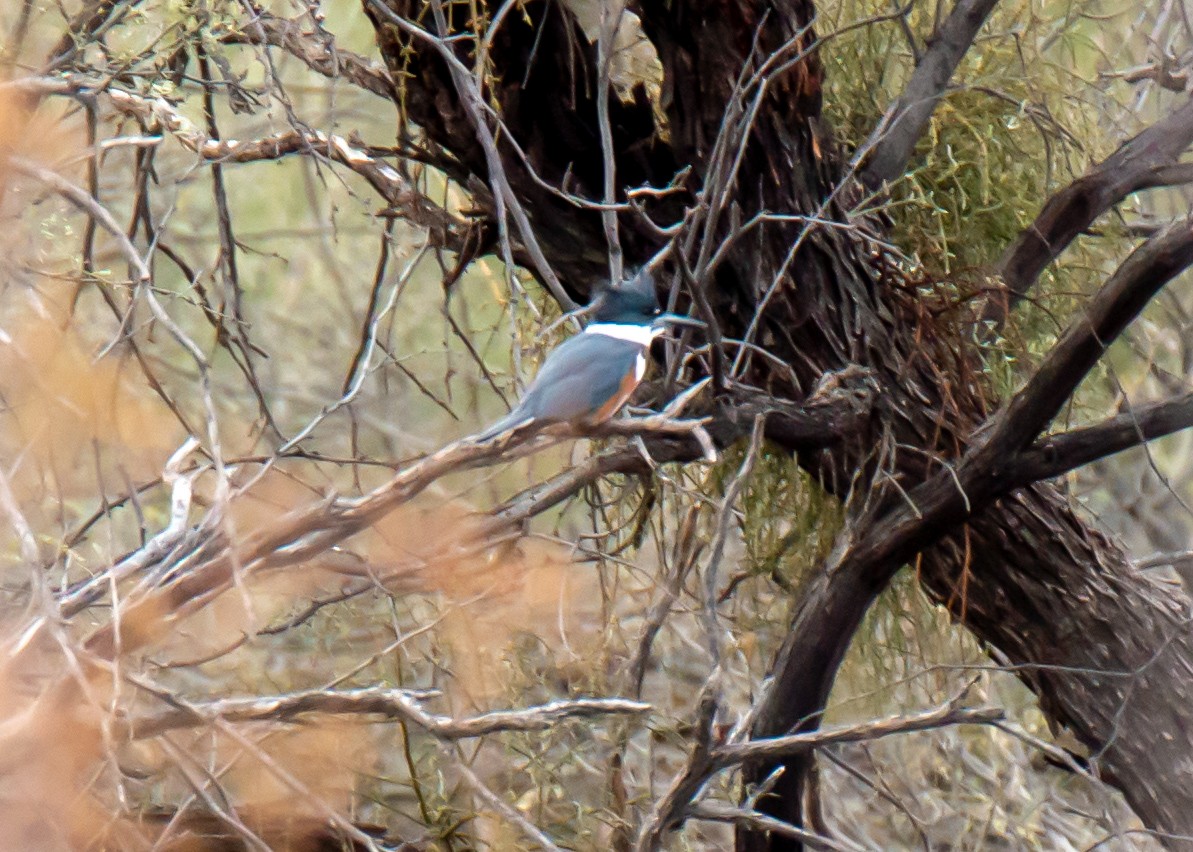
313,343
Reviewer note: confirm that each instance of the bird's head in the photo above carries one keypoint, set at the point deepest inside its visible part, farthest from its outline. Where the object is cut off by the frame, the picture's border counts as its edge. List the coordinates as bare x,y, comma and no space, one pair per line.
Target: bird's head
634,302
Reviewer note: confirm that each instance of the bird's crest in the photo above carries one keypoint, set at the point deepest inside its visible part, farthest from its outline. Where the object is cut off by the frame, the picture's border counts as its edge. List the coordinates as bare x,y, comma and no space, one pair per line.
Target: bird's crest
632,300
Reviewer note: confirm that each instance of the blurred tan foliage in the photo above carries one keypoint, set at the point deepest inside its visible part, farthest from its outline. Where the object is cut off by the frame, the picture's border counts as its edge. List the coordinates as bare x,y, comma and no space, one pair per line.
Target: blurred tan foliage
65,404
527,586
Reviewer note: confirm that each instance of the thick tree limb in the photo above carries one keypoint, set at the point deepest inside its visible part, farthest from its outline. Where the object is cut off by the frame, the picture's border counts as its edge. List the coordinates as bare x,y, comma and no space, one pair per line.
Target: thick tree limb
884,156
1137,164
876,545
985,472
1068,451
1083,343
548,143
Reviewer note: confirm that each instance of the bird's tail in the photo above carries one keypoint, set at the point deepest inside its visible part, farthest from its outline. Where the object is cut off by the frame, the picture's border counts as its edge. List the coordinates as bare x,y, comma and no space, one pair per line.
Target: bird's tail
516,419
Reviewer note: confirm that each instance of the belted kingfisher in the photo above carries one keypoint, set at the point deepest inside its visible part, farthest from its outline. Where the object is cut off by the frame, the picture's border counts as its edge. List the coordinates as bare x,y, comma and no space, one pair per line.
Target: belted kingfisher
589,377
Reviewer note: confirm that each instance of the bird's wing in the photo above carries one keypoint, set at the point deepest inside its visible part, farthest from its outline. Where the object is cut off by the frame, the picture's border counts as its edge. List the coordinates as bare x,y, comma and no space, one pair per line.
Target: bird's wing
579,377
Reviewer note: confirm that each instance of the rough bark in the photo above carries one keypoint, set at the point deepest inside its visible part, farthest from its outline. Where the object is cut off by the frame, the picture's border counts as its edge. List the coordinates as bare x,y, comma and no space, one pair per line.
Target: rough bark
1107,650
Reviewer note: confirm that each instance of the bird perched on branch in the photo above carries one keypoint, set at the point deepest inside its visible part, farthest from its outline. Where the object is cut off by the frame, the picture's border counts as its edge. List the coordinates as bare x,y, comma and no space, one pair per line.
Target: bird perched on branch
590,376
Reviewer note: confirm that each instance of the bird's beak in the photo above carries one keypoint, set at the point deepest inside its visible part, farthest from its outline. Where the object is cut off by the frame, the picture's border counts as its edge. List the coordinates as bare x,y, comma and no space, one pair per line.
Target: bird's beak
663,320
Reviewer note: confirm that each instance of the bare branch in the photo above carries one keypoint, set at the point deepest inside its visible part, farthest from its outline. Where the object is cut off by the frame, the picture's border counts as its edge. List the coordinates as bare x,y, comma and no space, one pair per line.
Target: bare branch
94,18
669,810
708,758
392,704
315,48
153,550
310,531
884,156
1165,73
839,409
938,717
1060,453
745,818
1136,165
446,230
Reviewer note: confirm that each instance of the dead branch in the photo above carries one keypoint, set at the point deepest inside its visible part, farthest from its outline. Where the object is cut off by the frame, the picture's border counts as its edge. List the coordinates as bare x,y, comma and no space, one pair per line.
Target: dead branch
720,812
389,704
307,533
669,810
447,231
315,47
709,757
1167,73
945,715
92,20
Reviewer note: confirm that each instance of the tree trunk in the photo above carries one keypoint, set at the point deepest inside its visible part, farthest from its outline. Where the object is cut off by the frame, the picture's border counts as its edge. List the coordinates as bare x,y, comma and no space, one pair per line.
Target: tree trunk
1106,649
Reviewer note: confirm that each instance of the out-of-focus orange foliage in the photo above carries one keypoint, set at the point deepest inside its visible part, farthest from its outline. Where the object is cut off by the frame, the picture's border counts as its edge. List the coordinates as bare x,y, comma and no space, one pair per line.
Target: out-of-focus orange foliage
72,426
64,405
60,756
68,417
487,596
36,134
530,586
52,752
258,599
284,782
323,760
